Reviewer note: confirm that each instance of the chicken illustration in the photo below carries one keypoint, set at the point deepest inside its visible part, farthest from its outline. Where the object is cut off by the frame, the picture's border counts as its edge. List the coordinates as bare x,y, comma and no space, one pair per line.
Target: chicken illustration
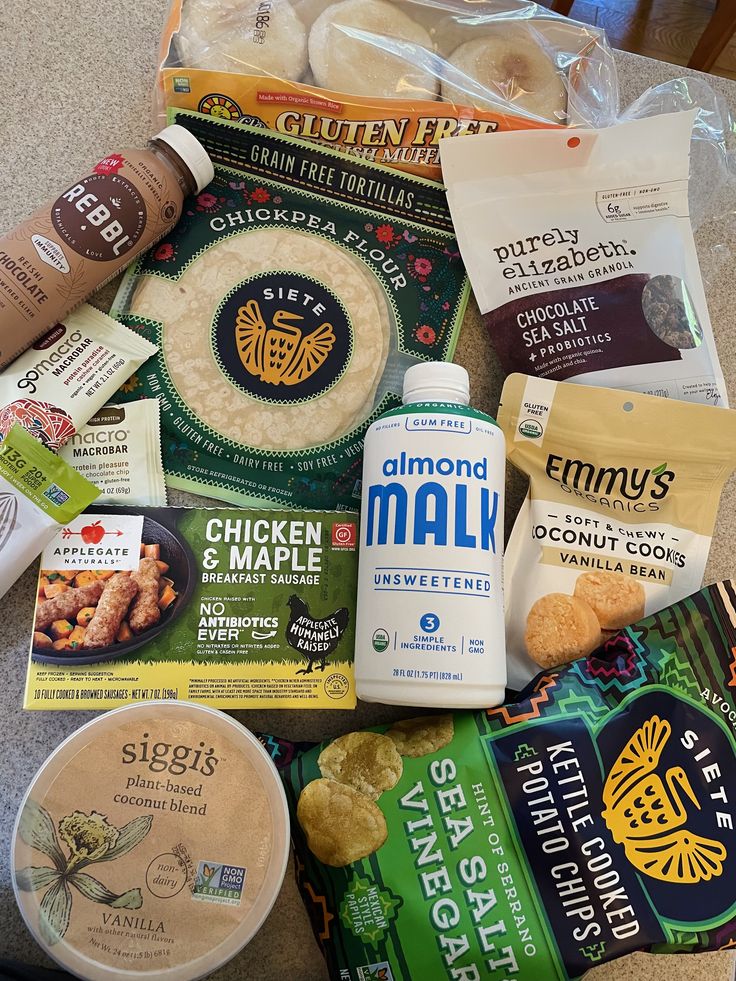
282,353
648,815
314,639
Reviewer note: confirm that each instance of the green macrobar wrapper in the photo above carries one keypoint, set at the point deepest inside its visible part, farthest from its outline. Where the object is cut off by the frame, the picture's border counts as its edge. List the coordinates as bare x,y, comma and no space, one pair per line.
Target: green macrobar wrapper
44,478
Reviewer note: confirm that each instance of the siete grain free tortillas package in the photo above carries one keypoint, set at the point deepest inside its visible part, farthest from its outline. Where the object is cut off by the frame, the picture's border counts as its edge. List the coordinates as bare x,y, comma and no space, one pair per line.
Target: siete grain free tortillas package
582,258
590,818
287,304
618,519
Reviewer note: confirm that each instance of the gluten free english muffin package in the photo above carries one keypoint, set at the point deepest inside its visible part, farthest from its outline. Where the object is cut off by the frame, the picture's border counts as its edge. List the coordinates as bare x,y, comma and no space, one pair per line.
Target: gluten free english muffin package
385,81
618,519
286,305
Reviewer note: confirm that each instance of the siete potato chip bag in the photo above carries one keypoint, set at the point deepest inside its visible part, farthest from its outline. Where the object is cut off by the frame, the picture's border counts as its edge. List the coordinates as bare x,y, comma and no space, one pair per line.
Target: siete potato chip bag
619,515
588,819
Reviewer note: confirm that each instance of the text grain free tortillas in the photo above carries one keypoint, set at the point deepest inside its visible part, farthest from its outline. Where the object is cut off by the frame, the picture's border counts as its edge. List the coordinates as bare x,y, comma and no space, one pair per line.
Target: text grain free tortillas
286,306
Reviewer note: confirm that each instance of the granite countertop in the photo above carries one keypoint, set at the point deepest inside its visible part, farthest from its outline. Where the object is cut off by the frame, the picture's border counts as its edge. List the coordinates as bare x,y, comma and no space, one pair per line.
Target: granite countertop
77,84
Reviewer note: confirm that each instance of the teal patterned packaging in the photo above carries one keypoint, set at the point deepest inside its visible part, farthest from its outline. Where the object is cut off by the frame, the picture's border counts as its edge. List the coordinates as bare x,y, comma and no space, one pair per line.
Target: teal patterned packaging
591,817
287,304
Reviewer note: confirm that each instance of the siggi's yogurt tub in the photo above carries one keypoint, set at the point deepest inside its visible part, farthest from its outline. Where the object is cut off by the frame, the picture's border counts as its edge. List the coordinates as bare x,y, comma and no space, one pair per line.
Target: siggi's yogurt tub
153,842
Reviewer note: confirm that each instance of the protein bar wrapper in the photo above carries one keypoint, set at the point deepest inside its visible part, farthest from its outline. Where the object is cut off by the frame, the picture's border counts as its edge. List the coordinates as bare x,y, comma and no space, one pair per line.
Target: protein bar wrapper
588,819
120,450
619,514
39,493
582,257
54,387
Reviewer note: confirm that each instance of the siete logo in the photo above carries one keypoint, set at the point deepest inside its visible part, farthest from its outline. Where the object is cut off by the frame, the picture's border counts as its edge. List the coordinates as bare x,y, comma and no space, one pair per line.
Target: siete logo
649,807
517,264
282,337
620,488
175,759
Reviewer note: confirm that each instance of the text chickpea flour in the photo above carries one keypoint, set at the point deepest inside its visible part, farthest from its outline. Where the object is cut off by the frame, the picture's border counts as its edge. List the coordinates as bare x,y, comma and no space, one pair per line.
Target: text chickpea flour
146,867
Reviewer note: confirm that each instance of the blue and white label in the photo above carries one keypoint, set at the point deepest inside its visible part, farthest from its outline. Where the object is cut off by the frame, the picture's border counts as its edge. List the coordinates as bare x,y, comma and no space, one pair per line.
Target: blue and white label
431,552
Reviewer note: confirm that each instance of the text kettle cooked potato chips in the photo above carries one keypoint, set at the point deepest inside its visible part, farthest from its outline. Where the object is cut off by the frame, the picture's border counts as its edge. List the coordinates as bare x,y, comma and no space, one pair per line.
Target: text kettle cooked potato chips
288,303
590,818
618,519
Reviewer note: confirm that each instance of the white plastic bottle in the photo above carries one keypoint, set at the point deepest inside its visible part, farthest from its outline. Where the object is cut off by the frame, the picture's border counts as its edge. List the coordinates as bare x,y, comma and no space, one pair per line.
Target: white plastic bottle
430,619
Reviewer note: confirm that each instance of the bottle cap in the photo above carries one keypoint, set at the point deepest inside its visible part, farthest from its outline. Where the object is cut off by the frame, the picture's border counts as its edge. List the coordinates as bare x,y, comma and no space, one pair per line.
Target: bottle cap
191,152
436,381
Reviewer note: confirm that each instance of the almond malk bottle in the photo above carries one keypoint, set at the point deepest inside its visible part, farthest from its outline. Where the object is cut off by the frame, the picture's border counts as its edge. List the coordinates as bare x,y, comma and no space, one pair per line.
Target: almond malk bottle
430,618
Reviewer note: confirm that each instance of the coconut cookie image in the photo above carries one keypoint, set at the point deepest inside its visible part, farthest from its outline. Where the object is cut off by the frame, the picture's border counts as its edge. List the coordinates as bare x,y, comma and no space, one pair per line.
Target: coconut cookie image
371,47
146,864
233,36
507,66
560,628
616,599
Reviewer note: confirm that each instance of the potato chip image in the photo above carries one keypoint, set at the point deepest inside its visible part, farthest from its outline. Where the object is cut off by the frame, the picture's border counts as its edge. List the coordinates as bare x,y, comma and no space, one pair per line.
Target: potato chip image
367,761
341,824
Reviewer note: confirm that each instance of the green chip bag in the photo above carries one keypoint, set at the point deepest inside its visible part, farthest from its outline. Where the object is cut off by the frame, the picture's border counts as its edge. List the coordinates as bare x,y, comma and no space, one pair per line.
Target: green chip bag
592,817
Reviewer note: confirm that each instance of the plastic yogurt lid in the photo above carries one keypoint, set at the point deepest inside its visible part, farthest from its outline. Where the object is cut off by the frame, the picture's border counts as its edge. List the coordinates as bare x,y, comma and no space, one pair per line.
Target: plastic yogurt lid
153,842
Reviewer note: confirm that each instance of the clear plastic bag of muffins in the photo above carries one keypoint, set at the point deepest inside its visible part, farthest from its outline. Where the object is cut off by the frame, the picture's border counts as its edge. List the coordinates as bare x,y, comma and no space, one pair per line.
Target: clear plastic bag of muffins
386,79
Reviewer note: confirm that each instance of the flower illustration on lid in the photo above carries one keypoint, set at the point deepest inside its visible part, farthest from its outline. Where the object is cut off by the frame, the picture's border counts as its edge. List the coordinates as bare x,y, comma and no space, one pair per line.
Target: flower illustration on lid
261,195
385,234
422,267
90,838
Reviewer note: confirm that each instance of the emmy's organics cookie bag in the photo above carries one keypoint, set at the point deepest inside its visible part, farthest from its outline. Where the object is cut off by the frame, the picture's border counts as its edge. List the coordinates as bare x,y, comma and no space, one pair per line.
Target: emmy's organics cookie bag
619,515
581,255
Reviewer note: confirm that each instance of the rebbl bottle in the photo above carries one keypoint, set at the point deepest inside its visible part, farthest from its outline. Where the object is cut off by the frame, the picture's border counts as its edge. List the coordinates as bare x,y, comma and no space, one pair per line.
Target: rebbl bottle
56,258
430,620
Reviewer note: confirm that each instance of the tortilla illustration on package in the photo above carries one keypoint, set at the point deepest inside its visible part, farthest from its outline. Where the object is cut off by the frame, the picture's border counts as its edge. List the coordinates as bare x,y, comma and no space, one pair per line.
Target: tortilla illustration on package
286,306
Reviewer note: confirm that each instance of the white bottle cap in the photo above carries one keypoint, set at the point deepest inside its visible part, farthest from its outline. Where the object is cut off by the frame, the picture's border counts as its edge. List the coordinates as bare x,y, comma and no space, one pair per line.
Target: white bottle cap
436,381
191,152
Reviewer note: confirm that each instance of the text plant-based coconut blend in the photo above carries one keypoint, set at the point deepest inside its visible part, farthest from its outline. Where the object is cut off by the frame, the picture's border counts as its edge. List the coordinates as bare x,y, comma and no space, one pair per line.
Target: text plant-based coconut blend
150,841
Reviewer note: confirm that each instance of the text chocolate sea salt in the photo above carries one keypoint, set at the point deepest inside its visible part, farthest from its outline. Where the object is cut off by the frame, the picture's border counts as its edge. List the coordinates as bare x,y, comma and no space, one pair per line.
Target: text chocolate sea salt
582,258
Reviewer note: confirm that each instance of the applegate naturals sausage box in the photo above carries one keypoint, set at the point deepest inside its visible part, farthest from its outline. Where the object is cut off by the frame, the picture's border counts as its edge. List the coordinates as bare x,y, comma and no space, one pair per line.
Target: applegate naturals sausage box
234,608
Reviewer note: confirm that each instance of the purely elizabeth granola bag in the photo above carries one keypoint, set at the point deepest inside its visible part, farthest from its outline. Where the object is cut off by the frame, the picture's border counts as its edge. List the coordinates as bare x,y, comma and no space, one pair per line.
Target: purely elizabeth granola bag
618,518
590,818
581,254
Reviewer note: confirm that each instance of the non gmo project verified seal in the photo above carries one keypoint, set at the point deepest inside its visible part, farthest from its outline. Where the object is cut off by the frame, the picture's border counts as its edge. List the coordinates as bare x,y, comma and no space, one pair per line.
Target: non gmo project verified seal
219,883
